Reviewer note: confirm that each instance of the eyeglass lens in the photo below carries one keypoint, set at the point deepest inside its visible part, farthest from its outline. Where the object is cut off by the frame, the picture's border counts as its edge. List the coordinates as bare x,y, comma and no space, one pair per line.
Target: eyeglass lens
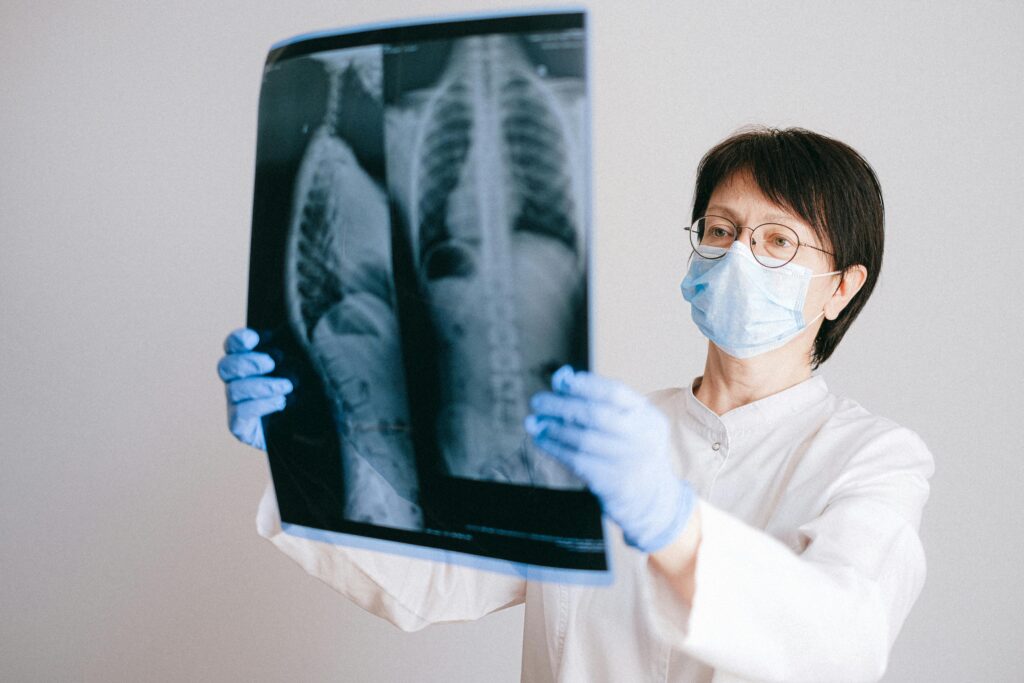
772,244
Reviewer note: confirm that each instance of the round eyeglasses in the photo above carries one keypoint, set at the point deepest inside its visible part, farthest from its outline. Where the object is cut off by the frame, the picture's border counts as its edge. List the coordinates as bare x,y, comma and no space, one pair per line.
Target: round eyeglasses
772,244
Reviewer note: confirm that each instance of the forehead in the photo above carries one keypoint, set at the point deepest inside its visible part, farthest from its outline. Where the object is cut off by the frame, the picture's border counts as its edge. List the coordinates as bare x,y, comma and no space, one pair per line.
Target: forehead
739,199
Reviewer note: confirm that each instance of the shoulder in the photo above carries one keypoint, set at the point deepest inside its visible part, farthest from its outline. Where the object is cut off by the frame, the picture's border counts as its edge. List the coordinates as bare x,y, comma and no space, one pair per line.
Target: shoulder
666,399
877,456
666,395
850,421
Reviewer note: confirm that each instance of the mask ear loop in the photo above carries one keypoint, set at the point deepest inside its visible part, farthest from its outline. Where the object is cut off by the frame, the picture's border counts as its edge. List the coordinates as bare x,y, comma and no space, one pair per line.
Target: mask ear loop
822,313
834,272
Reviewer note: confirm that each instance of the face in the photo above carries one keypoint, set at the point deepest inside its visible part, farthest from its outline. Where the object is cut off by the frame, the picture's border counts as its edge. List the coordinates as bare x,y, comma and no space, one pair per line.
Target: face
739,199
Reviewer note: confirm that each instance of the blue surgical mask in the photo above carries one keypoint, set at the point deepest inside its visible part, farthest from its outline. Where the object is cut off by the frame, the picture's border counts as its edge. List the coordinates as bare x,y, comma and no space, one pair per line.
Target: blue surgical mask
743,307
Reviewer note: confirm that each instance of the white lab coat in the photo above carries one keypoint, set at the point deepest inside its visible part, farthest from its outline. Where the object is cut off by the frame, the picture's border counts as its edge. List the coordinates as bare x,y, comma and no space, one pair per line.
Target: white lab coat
809,561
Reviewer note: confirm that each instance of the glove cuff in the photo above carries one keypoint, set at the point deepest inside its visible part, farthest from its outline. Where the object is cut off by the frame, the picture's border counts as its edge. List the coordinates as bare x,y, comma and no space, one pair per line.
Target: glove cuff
682,507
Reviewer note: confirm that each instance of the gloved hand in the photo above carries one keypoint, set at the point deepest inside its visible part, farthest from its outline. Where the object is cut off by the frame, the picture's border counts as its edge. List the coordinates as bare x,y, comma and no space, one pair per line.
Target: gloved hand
250,394
617,442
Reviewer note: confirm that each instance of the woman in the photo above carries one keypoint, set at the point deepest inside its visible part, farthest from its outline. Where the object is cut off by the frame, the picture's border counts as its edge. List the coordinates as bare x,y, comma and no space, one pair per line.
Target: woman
769,526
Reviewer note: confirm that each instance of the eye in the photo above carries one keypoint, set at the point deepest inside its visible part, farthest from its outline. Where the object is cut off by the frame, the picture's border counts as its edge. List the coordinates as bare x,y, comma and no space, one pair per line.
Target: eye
718,228
779,240
718,231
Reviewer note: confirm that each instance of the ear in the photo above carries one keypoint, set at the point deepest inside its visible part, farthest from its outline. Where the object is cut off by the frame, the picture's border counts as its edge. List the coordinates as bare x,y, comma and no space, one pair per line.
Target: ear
852,279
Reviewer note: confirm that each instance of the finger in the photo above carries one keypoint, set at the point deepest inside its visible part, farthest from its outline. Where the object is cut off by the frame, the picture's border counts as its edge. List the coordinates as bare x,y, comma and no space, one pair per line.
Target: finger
595,387
569,457
573,410
257,387
594,472
239,365
253,409
248,431
242,339
589,444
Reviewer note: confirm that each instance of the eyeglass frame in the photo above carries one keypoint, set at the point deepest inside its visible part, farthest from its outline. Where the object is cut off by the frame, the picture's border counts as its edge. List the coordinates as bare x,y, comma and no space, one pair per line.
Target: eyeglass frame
689,229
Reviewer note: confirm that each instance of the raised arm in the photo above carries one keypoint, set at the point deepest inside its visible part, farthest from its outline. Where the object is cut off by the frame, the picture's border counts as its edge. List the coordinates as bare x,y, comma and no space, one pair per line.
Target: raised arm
758,609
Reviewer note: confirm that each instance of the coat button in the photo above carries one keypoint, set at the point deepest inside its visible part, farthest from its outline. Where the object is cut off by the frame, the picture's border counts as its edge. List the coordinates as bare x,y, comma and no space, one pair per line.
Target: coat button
715,446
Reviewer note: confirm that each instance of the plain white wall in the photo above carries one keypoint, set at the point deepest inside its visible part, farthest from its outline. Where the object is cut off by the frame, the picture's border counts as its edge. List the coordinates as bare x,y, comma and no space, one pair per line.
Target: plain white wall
127,136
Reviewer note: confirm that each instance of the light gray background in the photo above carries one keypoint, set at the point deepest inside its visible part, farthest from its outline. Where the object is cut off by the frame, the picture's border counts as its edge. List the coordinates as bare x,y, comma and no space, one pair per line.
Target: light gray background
127,140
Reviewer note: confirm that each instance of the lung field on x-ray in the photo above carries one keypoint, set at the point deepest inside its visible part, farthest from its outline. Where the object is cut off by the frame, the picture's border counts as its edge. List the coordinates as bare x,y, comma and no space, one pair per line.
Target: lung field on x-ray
339,293
484,164
418,271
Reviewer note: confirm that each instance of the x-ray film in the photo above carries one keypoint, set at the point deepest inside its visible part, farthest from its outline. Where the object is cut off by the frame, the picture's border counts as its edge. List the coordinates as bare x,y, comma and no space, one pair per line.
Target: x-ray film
419,269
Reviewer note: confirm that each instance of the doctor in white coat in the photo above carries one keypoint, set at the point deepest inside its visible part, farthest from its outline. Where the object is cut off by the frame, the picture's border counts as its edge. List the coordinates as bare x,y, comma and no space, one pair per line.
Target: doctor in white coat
770,527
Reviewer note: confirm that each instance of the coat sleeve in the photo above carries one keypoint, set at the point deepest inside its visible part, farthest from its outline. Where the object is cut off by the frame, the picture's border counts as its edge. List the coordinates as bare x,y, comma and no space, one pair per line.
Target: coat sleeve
408,592
831,612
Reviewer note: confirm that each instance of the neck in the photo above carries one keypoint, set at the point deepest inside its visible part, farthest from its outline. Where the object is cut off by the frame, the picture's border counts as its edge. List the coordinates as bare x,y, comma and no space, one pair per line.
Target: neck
729,382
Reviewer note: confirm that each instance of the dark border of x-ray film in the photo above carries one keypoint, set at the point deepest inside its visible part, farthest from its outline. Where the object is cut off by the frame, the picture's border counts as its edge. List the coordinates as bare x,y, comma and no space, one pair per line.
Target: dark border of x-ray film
591,560
424,29
522,570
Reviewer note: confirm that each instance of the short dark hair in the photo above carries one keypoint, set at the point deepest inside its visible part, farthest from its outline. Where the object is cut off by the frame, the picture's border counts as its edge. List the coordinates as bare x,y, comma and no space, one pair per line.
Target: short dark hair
823,181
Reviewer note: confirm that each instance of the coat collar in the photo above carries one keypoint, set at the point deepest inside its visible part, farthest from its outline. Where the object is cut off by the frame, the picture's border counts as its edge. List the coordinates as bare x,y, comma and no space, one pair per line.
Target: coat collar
759,415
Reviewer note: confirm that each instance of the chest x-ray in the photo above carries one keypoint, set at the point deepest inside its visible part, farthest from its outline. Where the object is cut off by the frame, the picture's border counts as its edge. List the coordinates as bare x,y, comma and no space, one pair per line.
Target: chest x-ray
419,269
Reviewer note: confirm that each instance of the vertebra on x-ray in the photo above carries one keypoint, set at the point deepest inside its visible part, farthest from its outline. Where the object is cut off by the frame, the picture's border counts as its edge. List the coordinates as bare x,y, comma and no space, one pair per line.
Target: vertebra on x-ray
489,194
418,269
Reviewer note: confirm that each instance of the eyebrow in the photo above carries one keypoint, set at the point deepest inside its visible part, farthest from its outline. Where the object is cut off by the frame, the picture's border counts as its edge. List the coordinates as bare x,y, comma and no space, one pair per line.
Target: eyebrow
769,218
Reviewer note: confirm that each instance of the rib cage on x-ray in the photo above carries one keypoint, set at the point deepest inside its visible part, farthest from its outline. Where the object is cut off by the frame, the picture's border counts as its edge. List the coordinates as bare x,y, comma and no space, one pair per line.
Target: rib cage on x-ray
490,96
419,270
339,295
485,170
489,191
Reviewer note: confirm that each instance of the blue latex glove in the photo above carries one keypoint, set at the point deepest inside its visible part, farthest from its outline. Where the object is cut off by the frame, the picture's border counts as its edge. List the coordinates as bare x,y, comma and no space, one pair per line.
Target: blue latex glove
618,443
250,394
